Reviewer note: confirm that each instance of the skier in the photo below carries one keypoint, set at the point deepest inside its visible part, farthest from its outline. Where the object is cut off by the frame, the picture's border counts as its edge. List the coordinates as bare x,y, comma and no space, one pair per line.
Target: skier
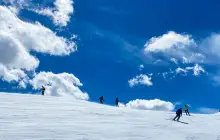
42,90
116,102
101,99
186,108
178,114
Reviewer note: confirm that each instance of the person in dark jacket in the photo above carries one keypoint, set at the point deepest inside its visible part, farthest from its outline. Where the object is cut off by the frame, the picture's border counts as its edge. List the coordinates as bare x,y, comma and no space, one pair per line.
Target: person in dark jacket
42,90
101,99
178,114
116,102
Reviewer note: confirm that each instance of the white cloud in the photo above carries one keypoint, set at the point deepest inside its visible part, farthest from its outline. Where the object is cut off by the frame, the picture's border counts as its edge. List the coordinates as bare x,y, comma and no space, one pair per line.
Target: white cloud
195,57
33,36
18,39
141,79
13,54
184,48
10,75
185,60
168,41
61,13
155,104
174,60
206,110
141,67
181,71
196,70
62,84
15,2
151,74
173,47
169,74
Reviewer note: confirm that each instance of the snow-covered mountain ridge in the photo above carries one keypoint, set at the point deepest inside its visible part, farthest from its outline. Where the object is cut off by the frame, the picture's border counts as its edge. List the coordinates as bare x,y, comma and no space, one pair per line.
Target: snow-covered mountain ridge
32,117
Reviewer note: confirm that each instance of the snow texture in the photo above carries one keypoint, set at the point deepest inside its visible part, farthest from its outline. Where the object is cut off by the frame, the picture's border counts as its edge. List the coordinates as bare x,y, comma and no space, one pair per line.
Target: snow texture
32,117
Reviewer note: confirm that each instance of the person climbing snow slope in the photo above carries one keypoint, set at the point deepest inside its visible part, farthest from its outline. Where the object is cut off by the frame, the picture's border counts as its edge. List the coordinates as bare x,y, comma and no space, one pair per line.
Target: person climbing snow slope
42,90
186,108
178,114
101,99
116,102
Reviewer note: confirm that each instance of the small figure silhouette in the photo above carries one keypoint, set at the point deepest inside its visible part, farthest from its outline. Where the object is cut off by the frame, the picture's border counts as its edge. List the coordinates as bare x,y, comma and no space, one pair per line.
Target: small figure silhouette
42,90
116,102
101,99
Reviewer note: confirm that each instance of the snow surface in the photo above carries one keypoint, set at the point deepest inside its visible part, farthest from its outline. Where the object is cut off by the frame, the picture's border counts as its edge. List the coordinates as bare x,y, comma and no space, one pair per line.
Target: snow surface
33,117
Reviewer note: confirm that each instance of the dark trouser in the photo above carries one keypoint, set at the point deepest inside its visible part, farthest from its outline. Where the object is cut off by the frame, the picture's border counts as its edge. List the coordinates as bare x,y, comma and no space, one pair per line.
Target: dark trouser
177,116
187,112
42,92
101,102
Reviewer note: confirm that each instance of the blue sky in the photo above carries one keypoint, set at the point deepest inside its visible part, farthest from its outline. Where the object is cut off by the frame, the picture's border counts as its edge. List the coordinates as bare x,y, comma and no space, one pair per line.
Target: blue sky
112,37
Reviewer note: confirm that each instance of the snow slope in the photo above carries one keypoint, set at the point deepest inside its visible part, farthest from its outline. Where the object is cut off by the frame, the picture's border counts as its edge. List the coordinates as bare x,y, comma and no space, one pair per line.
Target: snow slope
32,117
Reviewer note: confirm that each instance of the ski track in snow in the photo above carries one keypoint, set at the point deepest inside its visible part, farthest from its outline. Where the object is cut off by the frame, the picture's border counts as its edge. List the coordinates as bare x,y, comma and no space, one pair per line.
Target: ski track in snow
33,117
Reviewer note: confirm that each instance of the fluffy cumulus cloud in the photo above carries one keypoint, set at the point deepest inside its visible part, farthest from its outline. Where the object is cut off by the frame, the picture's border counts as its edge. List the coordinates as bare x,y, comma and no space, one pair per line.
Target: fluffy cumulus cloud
167,42
16,75
60,13
33,36
141,79
63,84
184,49
174,47
13,54
155,104
18,39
